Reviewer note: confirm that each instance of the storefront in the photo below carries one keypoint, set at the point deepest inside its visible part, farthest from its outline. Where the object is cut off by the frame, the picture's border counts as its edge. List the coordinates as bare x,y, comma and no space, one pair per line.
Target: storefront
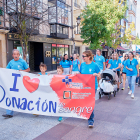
41,49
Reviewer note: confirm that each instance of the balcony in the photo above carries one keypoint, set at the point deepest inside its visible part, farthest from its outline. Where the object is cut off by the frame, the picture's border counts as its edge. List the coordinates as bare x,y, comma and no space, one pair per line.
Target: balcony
59,31
77,5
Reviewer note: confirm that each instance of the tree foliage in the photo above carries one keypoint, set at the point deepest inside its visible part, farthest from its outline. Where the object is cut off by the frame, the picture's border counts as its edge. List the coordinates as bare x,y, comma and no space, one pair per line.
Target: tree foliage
98,22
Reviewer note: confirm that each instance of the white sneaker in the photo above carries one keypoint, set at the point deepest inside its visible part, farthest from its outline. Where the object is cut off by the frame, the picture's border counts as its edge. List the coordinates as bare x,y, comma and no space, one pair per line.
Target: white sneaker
136,83
98,88
130,92
132,96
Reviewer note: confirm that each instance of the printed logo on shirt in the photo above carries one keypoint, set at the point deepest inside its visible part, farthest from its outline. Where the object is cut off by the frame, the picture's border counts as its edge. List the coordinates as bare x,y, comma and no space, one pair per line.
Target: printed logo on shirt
90,70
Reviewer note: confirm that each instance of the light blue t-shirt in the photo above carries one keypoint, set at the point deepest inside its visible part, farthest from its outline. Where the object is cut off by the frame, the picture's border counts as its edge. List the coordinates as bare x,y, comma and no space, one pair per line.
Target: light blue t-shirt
124,67
99,61
41,73
132,65
75,64
114,63
90,69
17,65
65,64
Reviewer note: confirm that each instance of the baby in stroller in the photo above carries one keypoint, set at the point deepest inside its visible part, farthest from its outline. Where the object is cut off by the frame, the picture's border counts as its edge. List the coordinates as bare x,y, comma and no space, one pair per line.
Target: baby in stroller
108,83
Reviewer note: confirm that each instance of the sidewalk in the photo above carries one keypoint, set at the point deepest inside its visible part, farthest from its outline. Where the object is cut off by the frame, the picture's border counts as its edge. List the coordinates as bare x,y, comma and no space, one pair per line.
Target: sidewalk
115,119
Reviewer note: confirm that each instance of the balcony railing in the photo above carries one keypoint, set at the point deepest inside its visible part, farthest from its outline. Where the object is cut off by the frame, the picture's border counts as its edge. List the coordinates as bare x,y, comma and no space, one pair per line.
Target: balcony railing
77,5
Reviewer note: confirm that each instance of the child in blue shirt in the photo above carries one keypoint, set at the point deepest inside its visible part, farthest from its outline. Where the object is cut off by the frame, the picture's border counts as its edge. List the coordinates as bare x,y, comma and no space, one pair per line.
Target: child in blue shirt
60,71
43,69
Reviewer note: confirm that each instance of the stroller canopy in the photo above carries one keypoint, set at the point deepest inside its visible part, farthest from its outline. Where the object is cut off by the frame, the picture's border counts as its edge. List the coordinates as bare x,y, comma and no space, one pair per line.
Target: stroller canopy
110,73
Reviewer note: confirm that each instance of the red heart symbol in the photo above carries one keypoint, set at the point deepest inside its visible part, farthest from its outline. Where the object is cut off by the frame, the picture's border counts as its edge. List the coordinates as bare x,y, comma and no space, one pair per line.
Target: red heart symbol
31,85
65,93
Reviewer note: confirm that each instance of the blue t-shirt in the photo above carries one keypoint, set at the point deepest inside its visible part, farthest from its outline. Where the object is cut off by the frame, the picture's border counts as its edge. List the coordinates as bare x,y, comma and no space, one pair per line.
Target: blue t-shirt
124,67
17,65
90,69
132,65
75,64
99,61
41,73
65,64
114,63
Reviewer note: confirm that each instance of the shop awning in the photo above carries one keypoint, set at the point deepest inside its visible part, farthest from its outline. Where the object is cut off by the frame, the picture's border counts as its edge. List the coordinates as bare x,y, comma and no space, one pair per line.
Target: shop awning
121,48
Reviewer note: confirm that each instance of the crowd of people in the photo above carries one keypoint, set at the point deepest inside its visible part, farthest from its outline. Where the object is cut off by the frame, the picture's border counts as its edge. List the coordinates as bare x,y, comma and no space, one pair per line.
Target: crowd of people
126,67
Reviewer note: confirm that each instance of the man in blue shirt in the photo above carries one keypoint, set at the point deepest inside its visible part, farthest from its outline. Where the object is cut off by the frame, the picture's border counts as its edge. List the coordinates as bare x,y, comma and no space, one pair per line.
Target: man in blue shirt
16,64
100,61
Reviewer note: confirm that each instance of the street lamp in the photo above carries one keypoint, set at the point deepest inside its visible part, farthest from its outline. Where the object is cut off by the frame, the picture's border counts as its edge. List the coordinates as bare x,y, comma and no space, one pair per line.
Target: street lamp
78,22
74,26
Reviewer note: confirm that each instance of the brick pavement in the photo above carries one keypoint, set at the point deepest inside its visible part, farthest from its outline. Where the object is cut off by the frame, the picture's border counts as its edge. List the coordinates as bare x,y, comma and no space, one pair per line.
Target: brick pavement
115,119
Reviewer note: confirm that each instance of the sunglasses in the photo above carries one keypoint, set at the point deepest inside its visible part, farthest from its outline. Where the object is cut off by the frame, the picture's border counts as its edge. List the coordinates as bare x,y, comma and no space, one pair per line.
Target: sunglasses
126,56
84,56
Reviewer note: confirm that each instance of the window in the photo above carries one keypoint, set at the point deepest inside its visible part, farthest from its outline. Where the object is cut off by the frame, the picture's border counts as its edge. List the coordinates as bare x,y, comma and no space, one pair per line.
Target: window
53,53
0,20
53,28
60,53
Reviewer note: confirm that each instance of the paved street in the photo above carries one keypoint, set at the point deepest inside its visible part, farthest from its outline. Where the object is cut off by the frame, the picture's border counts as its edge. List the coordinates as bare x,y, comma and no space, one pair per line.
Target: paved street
115,119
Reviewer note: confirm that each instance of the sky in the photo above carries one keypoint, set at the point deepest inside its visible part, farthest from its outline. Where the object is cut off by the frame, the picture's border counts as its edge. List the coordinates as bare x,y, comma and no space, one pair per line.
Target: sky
138,18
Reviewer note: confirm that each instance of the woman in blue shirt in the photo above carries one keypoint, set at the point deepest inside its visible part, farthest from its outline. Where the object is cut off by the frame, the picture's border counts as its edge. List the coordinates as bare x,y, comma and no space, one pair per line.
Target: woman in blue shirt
115,64
75,65
90,67
124,70
66,64
132,67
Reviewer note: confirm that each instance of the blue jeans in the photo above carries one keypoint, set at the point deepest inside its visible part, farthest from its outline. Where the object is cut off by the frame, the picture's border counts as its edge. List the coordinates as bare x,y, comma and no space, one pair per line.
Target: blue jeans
9,112
91,119
137,79
131,82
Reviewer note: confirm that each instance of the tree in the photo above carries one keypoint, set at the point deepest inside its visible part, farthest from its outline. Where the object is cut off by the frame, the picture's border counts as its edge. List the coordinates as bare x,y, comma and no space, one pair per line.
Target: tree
25,18
98,22
136,41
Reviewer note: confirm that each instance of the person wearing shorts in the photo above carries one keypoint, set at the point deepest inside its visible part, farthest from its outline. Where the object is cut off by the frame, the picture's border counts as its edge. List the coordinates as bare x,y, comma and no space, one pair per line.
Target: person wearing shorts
124,70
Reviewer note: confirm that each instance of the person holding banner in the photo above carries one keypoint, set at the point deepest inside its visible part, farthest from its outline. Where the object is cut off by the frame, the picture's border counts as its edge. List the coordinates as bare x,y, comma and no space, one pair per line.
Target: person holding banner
16,64
90,67
75,65
66,64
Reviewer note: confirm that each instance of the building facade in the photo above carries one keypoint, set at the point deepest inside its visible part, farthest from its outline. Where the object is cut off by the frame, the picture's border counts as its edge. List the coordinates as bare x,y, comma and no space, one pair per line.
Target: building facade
130,16
79,47
51,39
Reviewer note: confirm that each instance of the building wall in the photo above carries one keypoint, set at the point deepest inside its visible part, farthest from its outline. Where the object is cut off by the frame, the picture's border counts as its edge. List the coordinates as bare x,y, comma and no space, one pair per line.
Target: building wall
3,60
78,6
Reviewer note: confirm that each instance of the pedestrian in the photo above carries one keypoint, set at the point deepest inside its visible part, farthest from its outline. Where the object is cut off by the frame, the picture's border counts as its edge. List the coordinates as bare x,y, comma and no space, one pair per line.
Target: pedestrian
78,57
75,64
115,64
16,64
107,60
71,57
66,64
43,69
100,61
60,71
90,67
124,70
132,67
137,78
121,58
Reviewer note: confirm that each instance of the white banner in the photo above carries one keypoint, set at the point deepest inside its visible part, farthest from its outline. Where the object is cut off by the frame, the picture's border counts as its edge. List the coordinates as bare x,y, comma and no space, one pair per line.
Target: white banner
54,95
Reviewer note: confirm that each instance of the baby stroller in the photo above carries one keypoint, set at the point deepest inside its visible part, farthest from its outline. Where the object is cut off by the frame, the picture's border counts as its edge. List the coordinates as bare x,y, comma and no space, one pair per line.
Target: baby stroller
108,83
